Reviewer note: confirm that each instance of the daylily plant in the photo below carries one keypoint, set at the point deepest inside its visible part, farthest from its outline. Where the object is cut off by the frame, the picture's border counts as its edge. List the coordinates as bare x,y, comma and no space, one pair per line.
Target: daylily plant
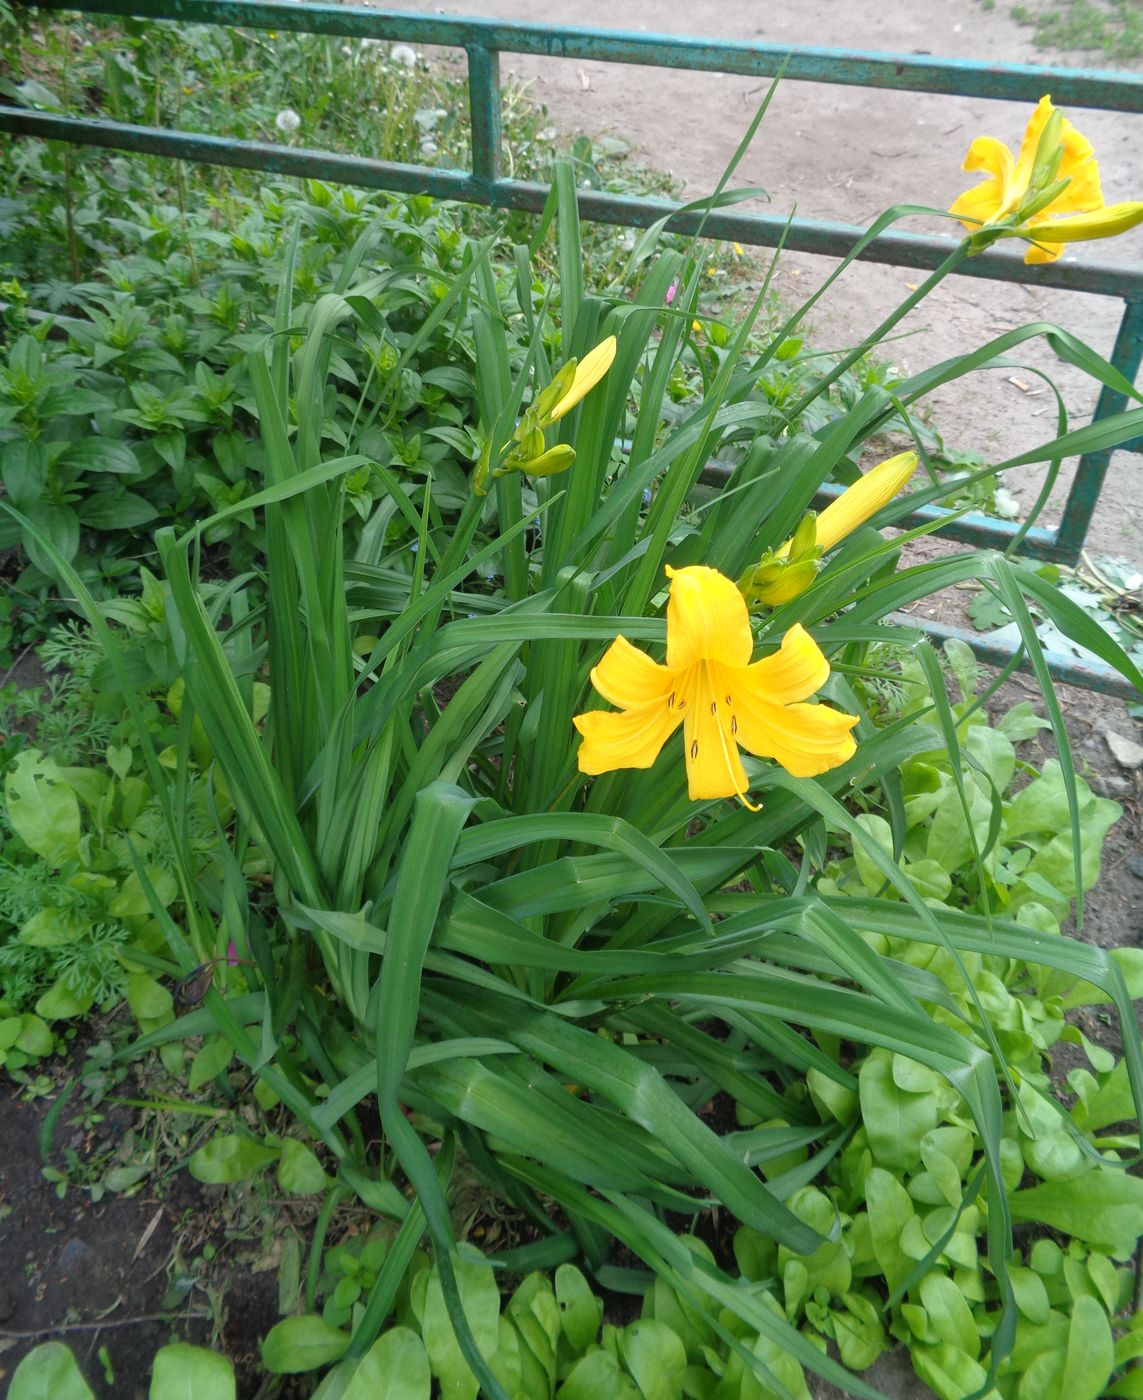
723,702
789,570
1050,193
527,451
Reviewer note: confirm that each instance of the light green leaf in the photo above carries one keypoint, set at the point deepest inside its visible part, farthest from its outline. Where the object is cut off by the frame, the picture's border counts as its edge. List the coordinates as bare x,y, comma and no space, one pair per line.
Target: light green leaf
656,1359
1030,1294
43,810
508,1363
1090,1353
879,831
890,1211
481,1301
994,752
1107,1212
54,928
49,1372
210,1061
895,1119
1021,722
396,1367
931,879
949,841
148,999
594,1376
1041,1380
184,1372
59,1002
858,1331
949,1314
581,1312
302,1343
229,1158
299,1171
952,1373
35,1036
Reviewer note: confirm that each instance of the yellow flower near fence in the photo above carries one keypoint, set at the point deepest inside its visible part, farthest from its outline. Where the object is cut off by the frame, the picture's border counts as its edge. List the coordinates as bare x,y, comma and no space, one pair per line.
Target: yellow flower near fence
723,702
1050,193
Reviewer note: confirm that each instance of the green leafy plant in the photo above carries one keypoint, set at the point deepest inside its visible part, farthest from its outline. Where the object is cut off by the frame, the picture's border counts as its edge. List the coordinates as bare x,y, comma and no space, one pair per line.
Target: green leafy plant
181,1372
1013,832
81,838
556,974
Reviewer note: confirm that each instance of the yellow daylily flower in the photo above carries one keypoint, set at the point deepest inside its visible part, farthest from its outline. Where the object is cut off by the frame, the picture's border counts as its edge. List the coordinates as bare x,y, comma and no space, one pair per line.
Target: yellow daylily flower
709,686
1016,183
588,372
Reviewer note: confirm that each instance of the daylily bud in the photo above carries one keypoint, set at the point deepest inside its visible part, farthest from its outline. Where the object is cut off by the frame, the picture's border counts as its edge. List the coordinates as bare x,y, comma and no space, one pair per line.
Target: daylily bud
556,459
526,450
1101,223
776,581
1036,204
587,374
549,397
1049,154
857,503
804,543
483,465
529,443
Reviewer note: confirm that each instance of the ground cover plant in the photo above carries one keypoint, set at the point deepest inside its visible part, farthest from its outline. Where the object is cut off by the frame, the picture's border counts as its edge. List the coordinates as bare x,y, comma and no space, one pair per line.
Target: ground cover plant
121,407
553,969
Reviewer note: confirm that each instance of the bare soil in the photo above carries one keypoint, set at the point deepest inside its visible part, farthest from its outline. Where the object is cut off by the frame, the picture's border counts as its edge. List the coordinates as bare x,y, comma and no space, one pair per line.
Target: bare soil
118,1274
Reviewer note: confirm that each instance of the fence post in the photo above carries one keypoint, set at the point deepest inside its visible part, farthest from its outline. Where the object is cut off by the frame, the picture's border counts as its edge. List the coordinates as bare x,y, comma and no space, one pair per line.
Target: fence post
1092,466
484,110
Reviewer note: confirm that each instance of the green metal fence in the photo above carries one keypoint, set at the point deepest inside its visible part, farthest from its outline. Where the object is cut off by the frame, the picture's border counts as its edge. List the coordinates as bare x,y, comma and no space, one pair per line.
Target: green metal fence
483,41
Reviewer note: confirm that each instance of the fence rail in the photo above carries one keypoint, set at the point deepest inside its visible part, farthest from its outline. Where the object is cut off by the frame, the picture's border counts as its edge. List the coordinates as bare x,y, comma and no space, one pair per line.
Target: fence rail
483,41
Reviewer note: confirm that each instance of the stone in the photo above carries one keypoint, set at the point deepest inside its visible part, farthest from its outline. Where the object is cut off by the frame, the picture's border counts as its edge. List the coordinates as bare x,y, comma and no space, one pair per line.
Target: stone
73,1256
1126,752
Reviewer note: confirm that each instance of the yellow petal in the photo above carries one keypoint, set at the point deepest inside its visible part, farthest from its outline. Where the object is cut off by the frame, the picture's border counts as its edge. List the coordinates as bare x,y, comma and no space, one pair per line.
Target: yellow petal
624,739
1081,170
795,672
714,768
992,156
588,373
628,677
1036,254
706,619
980,205
864,499
805,739
985,202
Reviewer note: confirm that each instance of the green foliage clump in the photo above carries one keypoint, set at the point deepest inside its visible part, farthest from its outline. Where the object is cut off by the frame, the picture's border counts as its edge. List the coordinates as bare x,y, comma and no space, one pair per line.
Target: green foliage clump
84,852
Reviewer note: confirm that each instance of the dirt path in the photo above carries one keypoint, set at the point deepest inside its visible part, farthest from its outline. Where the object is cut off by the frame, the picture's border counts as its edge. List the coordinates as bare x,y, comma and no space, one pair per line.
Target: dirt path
847,154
